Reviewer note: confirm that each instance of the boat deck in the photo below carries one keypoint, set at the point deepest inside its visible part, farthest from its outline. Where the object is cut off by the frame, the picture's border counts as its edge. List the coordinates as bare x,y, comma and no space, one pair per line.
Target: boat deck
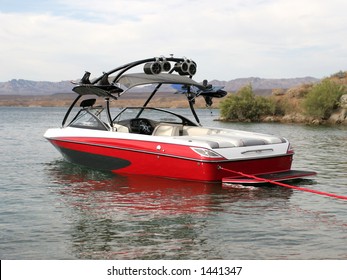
215,138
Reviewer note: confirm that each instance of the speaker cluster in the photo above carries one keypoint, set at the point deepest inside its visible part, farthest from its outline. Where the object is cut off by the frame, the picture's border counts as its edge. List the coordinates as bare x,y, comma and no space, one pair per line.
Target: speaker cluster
186,67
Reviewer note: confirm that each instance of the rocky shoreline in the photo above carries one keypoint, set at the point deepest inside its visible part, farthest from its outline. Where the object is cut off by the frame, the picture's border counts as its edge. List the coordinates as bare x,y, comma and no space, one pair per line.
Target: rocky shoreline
338,116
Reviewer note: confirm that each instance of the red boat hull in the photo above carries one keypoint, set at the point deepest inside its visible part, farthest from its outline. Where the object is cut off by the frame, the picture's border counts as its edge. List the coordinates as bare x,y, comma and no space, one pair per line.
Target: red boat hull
162,160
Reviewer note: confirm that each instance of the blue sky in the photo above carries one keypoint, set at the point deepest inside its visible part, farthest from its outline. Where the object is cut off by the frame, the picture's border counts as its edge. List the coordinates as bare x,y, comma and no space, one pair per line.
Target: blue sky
54,40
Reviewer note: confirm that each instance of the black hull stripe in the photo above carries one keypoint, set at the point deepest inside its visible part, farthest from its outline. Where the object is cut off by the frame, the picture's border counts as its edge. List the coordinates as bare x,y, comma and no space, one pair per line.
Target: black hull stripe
94,161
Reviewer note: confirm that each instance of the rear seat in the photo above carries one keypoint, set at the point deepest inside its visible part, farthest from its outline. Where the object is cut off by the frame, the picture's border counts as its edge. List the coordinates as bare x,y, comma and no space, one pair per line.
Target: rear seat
168,129
224,140
215,138
195,131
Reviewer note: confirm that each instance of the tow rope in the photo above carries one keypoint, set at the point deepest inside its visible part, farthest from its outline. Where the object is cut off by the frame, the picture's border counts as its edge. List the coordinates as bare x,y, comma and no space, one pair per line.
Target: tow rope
286,185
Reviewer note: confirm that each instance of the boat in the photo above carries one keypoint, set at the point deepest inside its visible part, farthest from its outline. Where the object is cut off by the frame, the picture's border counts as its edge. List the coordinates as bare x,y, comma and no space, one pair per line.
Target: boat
157,142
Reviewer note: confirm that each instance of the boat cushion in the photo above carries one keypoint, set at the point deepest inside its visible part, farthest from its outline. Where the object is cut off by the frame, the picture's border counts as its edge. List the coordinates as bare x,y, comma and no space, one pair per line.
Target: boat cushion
195,131
167,129
120,128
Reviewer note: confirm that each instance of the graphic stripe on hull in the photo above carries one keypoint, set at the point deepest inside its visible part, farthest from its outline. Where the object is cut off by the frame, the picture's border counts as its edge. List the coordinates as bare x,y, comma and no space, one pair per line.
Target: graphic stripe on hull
95,161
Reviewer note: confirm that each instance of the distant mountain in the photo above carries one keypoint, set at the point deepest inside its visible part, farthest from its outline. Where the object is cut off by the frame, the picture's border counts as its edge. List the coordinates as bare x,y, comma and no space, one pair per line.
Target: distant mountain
264,84
26,87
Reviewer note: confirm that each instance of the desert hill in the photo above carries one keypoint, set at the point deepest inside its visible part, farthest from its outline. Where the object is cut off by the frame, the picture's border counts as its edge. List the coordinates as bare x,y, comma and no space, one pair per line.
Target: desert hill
27,87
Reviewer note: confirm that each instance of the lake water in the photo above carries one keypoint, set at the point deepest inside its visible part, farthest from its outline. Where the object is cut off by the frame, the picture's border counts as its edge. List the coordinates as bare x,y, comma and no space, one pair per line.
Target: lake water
51,209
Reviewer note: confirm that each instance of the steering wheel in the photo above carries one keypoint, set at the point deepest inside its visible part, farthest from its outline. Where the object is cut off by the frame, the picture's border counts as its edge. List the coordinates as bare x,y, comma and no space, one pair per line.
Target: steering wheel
145,127
142,126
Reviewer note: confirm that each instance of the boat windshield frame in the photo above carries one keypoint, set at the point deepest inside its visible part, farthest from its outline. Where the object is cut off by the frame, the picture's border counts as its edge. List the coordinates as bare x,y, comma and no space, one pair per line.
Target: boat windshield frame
141,112
89,118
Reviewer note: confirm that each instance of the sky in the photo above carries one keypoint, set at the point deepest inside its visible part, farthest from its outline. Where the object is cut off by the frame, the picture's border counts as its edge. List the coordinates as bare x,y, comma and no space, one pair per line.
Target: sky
56,40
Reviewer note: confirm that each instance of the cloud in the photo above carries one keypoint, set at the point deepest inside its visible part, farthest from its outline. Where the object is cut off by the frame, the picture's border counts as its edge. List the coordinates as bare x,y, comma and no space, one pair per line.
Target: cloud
228,39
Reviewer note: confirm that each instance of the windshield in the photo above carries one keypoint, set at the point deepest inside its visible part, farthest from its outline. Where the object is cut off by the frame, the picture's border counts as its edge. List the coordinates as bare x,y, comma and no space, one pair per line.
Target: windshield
157,115
90,119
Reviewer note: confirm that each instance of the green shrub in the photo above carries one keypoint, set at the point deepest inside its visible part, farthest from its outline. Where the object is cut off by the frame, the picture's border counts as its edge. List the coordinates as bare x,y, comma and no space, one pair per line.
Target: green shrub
323,99
245,106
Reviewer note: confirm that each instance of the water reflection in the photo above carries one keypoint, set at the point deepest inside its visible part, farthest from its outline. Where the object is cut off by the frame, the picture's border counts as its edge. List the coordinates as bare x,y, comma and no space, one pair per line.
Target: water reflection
139,217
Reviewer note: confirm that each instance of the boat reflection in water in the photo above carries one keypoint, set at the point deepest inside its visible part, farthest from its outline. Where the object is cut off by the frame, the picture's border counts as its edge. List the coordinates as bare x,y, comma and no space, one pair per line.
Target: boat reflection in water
141,217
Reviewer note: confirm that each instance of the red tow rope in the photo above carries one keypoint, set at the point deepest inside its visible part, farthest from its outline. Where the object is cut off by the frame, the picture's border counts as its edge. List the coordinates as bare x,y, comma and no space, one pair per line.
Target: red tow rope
286,185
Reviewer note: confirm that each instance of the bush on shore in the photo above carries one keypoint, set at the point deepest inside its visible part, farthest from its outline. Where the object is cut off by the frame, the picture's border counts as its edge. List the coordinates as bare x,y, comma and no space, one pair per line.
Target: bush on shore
245,106
323,99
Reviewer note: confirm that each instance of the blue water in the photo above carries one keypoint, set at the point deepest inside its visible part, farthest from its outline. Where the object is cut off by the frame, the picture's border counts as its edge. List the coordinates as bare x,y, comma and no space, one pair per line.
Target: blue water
51,209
